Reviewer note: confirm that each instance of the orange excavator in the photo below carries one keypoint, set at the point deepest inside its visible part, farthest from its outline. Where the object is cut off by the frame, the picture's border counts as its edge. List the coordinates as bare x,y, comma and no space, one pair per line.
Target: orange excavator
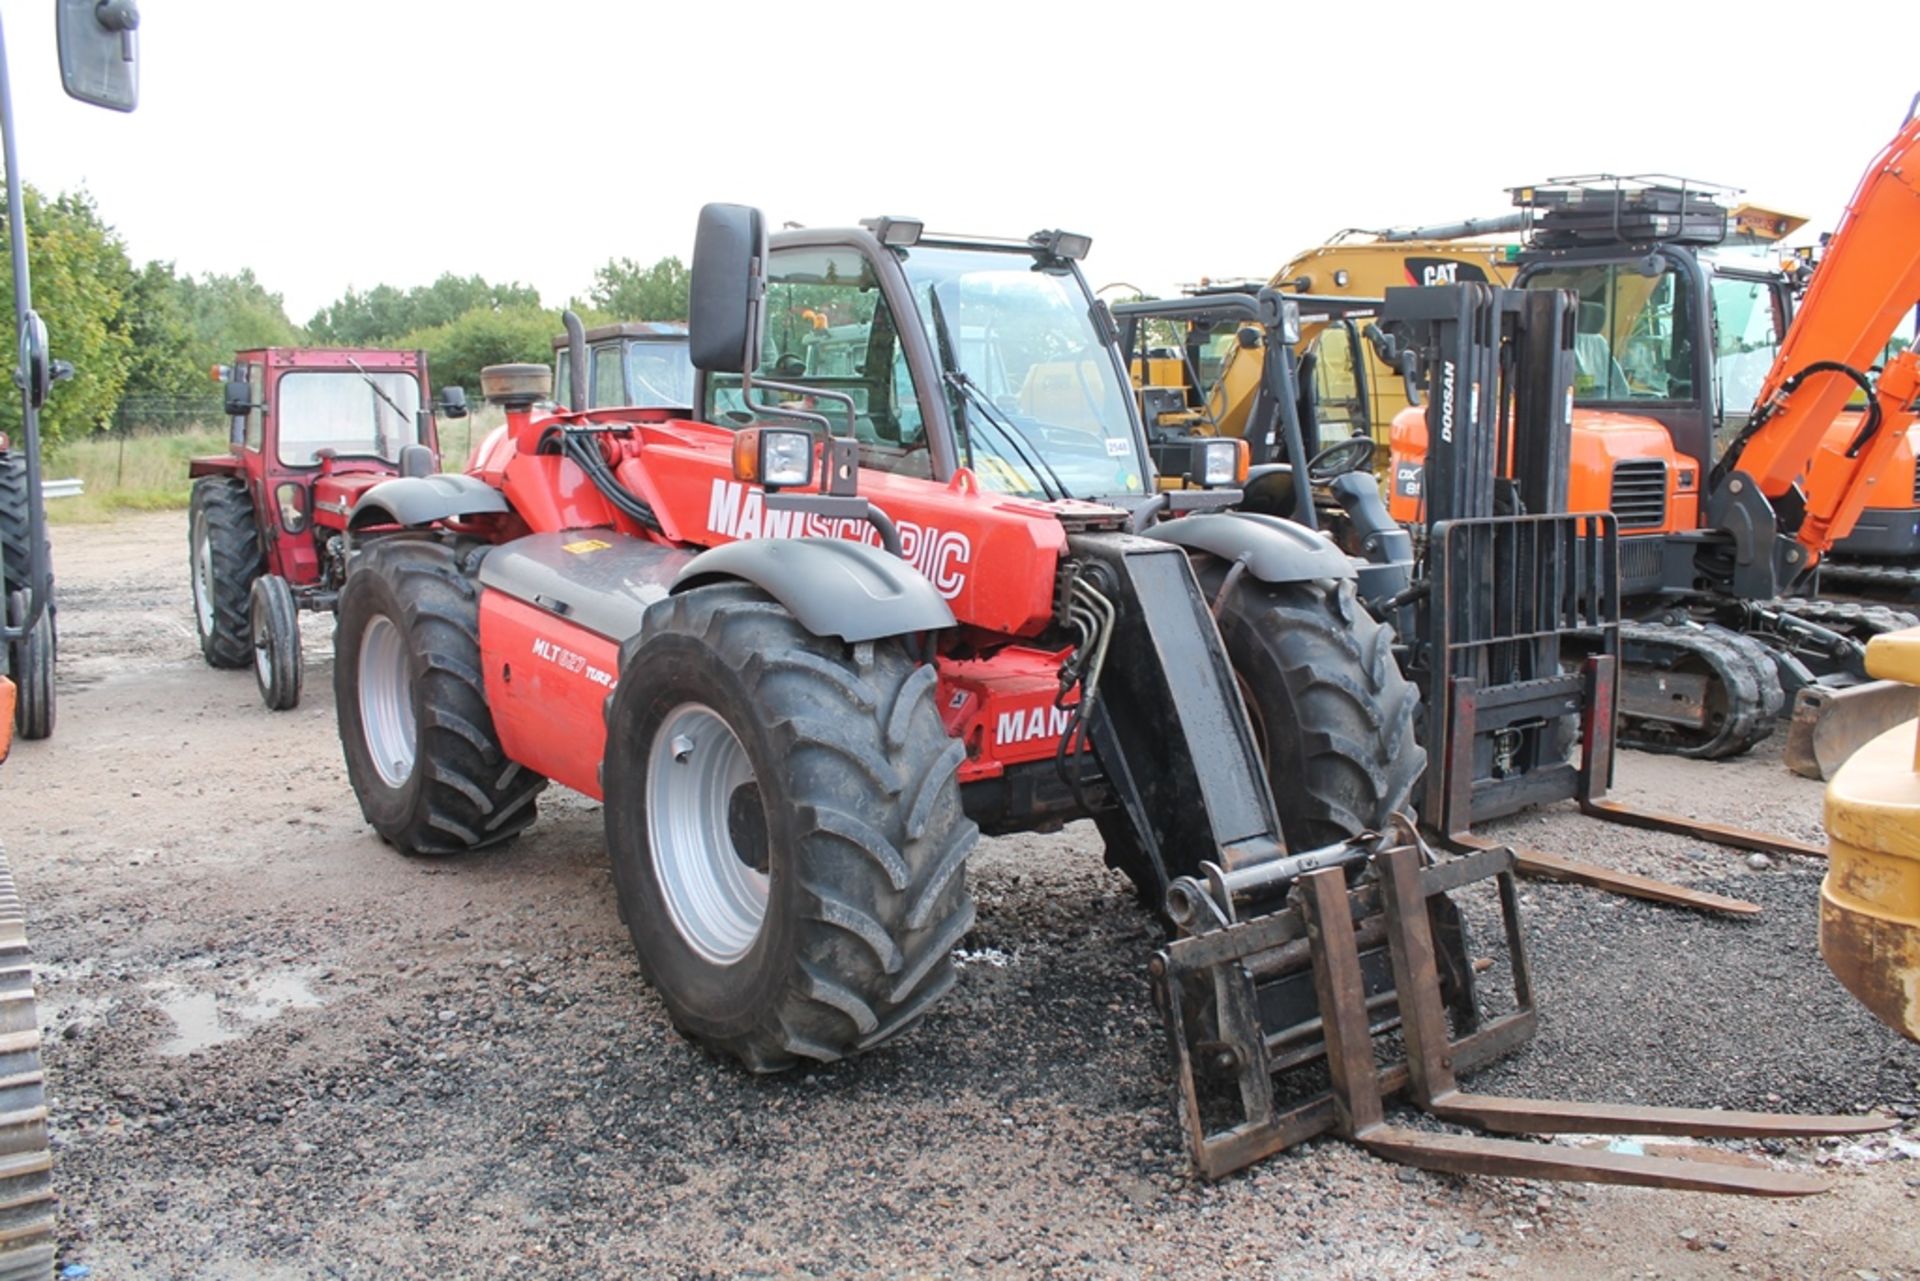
1718,536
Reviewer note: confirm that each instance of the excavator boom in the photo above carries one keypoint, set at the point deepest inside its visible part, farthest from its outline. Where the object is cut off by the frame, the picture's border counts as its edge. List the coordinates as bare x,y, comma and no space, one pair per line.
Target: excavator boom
1865,286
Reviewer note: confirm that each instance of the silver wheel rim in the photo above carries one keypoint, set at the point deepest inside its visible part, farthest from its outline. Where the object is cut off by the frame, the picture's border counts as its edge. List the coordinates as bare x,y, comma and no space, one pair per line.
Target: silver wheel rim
262,642
717,902
386,700
203,581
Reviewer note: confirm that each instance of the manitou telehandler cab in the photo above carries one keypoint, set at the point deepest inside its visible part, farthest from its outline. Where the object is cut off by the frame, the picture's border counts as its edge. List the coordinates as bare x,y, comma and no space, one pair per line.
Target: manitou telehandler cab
907,575
641,363
311,430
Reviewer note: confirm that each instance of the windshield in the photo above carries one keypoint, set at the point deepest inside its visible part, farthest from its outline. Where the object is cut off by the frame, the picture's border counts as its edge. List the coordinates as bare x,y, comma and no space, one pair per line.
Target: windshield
659,375
1634,334
1036,399
343,412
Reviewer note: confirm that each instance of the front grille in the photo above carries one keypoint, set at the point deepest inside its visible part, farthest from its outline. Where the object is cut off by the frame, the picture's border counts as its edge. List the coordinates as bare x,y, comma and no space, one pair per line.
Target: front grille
1916,486
1640,493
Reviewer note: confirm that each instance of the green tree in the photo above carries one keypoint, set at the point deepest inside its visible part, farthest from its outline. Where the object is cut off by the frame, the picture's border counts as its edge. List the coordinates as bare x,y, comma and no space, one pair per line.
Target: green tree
235,313
81,279
169,358
458,350
624,290
383,315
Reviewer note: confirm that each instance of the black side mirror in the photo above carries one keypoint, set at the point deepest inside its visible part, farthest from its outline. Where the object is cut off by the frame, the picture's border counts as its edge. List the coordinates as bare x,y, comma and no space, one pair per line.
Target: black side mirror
453,402
728,285
97,51
36,366
239,397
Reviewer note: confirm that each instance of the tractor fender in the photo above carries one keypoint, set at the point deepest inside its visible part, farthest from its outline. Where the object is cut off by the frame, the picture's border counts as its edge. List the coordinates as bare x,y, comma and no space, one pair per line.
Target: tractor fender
422,500
1276,550
835,587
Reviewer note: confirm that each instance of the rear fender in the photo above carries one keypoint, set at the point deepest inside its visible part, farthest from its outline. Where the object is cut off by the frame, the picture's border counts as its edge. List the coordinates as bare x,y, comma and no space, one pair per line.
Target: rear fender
422,500
834,587
1276,550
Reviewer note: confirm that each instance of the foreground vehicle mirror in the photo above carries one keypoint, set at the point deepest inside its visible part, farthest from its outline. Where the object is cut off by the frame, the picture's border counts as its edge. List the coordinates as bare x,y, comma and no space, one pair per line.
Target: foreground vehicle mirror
97,51
453,402
35,364
773,457
728,282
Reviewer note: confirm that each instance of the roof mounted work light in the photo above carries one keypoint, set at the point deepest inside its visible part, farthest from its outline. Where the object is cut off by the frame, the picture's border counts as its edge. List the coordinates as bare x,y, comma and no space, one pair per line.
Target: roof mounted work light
895,233
1065,245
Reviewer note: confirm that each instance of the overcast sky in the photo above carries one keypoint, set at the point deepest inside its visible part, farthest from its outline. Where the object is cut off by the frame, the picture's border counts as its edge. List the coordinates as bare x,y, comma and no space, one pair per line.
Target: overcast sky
348,143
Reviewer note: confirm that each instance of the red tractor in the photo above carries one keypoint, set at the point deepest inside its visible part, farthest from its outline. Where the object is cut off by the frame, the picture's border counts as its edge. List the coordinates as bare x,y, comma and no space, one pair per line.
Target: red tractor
906,576
312,430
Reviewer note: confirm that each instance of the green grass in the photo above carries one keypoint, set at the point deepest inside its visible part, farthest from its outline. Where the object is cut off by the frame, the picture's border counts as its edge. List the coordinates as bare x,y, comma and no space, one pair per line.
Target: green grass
140,472
132,473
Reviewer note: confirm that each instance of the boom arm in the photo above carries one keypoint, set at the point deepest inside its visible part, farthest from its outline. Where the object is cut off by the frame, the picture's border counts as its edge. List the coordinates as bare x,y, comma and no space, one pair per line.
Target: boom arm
1866,283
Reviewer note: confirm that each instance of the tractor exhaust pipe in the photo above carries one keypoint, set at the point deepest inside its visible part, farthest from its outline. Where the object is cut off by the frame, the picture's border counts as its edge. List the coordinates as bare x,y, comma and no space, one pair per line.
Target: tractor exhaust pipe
576,362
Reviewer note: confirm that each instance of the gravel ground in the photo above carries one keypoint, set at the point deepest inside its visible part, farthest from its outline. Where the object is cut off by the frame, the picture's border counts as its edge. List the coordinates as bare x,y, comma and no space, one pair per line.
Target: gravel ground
279,1050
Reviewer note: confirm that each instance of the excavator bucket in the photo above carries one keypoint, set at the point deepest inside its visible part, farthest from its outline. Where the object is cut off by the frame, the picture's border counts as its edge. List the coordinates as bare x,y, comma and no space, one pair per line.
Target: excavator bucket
1830,725
1383,957
1870,899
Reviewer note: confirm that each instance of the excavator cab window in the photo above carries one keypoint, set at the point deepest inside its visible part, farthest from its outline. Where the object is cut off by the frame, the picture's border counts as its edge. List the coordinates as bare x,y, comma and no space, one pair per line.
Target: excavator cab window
1746,337
1634,335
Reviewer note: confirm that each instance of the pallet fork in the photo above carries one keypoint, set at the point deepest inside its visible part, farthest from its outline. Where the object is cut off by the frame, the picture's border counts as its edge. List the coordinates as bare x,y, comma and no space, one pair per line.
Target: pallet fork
1510,575
1383,955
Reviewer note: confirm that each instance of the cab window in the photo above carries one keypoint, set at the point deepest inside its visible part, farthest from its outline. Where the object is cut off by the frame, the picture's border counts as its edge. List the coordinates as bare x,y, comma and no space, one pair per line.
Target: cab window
1746,338
256,429
1634,336
608,387
828,328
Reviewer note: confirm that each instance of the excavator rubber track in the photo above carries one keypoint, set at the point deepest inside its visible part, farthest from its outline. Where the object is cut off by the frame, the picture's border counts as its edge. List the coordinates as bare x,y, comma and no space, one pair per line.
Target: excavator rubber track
1712,693
1871,576
26,1166
1859,620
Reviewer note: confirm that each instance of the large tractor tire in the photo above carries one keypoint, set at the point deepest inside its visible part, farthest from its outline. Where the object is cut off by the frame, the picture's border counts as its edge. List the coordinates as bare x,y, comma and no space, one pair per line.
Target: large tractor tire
15,552
26,1164
783,814
225,556
422,752
1331,711
31,661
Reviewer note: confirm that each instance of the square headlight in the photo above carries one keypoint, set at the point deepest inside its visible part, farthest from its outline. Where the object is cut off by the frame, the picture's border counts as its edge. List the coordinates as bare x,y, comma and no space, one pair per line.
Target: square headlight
774,457
1219,463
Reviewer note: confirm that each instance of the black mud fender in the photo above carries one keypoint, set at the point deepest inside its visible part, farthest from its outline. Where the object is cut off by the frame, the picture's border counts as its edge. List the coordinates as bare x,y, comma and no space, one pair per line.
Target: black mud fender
833,586
421,500
1277,551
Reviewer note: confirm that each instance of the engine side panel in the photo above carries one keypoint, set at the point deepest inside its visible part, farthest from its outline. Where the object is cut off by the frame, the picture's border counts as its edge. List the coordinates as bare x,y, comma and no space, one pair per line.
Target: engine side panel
547,683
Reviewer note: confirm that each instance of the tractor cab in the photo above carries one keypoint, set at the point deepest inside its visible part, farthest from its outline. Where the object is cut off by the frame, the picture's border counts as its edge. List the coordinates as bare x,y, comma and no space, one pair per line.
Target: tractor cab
634,363
311,430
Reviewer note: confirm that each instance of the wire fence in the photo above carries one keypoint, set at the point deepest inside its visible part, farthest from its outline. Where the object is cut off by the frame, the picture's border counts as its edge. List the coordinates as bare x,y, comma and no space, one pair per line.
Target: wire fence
167,415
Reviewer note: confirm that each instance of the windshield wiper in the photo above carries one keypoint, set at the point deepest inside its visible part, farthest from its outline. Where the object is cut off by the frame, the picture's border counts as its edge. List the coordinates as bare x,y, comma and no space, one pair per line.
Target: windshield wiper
379,391
1050,483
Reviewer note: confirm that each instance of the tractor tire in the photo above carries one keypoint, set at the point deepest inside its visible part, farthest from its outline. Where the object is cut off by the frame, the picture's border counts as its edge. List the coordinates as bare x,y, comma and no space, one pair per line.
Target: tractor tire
783,816
1330,709
26,1164
224,557
31,660
274,621
422,752
15,553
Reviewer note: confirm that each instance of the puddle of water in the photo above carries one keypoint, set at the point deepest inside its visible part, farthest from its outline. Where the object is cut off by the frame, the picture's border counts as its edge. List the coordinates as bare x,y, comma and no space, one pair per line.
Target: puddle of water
202,1019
